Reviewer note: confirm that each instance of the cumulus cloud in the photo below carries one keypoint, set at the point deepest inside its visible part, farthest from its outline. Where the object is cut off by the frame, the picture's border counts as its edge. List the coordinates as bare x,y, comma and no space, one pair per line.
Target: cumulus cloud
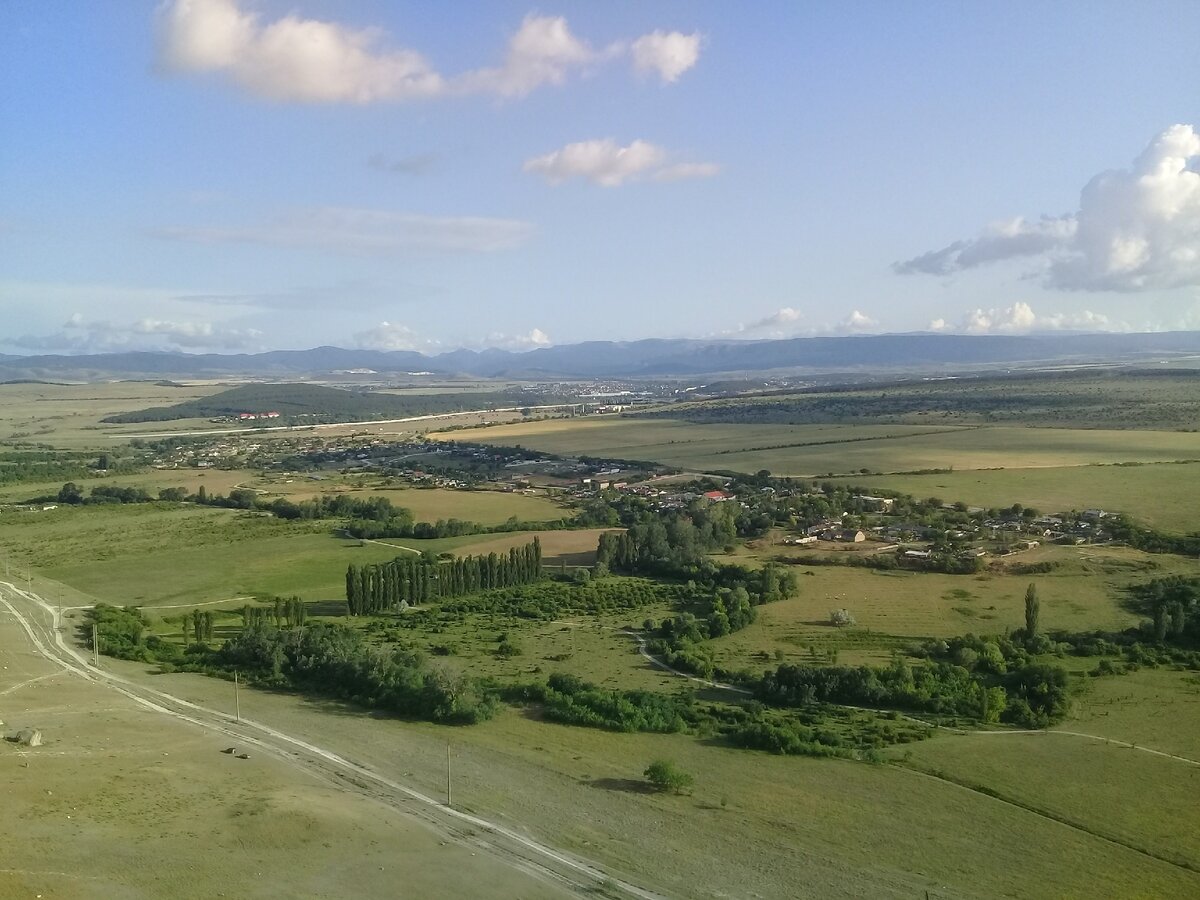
1136,229
82,335
1021,319
778,324
788,322
607,163
290,58
670,54
392,336
856,323
307,60
528,341
366,232
543,51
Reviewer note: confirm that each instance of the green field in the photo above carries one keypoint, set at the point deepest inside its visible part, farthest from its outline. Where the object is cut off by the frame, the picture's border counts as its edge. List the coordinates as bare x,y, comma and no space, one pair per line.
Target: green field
427,504
1136,799
1165,496
69,415
153,555
980,814
894,608
807,450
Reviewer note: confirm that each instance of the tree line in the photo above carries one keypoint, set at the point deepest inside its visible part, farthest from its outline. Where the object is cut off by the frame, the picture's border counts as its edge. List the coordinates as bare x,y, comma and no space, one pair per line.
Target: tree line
408,580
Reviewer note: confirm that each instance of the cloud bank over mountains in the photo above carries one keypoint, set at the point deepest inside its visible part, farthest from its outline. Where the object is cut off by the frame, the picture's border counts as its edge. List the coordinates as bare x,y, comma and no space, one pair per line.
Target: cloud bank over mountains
1021,319
293,59
1136,229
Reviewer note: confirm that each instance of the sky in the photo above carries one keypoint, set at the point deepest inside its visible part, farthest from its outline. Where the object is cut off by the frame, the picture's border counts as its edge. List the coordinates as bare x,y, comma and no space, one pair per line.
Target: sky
244,175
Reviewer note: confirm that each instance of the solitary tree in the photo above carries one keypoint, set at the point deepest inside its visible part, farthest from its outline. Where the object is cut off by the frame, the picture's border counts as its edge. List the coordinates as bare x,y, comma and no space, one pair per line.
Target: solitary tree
1033,608
666,776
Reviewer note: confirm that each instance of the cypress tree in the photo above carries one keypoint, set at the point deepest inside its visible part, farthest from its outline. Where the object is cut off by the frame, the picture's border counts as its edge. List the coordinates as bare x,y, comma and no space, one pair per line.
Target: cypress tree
1033,608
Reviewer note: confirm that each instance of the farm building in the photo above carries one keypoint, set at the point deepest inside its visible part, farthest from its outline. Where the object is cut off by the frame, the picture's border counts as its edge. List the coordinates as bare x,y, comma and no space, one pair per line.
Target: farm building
844,536
876,504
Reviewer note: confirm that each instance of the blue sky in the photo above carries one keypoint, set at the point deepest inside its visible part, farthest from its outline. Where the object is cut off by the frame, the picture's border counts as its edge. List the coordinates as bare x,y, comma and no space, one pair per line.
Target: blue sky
254,174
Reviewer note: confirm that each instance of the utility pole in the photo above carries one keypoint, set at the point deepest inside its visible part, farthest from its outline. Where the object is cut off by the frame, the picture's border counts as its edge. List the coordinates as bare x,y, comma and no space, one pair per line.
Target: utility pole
237,703
95,646
448,795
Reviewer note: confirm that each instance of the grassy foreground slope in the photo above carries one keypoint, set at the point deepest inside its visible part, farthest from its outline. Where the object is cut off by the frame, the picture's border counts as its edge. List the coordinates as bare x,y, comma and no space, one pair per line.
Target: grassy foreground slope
756,825
124,802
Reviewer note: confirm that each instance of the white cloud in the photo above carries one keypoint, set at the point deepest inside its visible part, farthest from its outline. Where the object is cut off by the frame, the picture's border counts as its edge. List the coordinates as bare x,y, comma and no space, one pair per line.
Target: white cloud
1021,319
392,336
529,341
197,334
605,162
366,232
543,51
82,335
307,60
1136,229
856,323
670,54
291,58
778,324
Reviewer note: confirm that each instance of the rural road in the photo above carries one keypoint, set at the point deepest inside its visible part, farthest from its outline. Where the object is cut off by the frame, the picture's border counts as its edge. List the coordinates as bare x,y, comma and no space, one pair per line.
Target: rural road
42,624
467,412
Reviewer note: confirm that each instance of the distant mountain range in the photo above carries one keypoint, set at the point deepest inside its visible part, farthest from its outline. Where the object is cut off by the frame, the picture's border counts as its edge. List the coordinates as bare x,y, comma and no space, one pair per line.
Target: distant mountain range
633,359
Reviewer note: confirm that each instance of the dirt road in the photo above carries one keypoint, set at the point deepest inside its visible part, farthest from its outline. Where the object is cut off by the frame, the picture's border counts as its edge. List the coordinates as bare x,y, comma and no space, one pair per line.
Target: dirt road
42,626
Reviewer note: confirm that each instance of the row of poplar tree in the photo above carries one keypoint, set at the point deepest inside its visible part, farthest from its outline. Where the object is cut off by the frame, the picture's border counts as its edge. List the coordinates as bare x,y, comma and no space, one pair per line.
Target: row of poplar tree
408,580
284,611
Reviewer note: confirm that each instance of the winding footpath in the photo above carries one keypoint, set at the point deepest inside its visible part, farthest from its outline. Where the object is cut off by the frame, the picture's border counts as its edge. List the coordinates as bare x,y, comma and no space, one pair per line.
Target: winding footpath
719,685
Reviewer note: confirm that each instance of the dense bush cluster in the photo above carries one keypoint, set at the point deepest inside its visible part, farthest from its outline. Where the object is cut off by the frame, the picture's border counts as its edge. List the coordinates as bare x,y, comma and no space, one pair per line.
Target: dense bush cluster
987,689
574,701
335,660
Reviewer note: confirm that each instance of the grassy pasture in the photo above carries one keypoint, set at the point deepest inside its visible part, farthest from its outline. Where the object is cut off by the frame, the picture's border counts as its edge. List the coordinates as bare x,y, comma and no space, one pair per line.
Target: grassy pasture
893,609
680,443
591,647
155,555
821,449
427,504
69,415
215,481
1156,708
1166,496
788,826
1136,798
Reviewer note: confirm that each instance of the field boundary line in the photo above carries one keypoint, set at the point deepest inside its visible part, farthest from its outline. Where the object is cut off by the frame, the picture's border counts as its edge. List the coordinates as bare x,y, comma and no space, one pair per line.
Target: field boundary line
992,794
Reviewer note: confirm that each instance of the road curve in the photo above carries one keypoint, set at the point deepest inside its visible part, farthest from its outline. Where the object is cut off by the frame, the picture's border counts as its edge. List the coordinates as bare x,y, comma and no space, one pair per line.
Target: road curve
42,625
